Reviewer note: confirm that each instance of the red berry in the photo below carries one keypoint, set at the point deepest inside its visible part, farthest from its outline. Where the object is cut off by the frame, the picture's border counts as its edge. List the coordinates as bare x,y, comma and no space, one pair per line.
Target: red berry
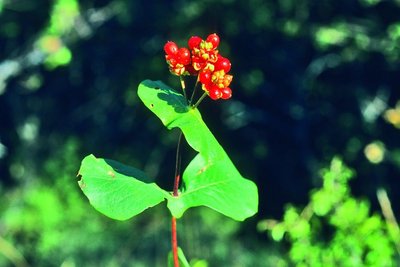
205,77
198,62
183,56
215,93
226,93
168,57
170,48
223,64
172,61
194,41
213,39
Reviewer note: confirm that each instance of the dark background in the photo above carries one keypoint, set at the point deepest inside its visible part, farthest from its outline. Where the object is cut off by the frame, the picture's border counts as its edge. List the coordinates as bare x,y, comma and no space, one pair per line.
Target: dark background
312,80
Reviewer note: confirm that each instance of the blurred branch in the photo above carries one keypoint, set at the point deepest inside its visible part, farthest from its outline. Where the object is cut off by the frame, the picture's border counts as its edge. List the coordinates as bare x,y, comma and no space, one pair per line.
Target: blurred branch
84,26
393,226
11,253
267,224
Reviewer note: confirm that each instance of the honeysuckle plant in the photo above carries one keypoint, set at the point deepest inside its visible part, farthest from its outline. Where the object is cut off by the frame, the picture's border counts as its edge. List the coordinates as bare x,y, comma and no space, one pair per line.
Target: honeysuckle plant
210,179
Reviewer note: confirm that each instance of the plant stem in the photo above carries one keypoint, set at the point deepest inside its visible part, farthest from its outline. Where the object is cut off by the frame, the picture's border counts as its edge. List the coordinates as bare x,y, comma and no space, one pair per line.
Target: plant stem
177,166
175,193
10,252
174,241
388,214
194,90
200,99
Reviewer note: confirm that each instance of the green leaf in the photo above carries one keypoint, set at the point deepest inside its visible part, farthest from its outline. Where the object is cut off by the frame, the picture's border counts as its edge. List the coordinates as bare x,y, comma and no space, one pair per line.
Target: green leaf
278,231
211,179
322,201
181,257
121,192
116,190
199,263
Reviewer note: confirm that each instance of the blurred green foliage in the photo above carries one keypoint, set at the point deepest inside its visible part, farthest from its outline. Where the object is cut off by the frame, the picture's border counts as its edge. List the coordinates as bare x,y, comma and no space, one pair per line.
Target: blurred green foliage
53,225
62,19
335,228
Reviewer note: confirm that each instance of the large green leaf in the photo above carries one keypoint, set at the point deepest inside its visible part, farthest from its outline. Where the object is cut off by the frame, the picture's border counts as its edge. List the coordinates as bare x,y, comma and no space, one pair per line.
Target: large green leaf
116,190
211,179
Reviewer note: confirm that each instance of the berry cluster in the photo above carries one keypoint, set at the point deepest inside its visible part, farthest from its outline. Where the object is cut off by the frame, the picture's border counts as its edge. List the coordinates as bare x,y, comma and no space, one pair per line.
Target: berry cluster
202,59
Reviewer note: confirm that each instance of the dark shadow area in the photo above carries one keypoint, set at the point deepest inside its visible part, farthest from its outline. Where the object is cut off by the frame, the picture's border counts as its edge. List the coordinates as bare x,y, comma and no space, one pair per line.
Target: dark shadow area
177,101
128,171
169,95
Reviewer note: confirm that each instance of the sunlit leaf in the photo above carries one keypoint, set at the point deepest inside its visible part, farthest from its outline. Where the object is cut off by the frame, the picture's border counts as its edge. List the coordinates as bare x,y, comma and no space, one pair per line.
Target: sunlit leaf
116,190
278,231
211,179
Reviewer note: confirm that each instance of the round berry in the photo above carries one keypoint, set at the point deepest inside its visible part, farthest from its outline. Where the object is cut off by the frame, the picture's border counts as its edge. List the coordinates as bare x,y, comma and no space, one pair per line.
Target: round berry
170,48
205,76
215,93
223,64
183,56
213,39
226,93
198,62
172,61
194,41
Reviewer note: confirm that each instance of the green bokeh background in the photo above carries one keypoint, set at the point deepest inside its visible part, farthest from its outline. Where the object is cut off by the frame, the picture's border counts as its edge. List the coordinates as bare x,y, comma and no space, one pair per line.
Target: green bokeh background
312,80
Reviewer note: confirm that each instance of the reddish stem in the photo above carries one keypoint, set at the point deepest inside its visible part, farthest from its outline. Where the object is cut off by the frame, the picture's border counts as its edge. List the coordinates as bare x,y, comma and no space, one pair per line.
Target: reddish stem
174,241
175,193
